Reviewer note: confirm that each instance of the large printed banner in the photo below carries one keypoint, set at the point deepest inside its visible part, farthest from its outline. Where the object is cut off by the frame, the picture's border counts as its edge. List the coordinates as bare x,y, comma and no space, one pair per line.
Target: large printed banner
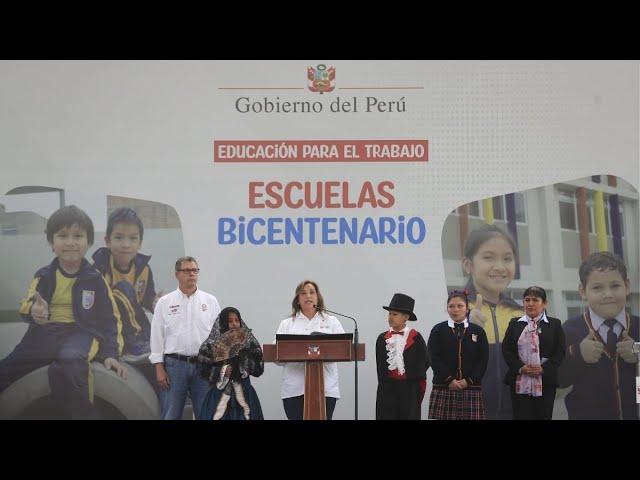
368,177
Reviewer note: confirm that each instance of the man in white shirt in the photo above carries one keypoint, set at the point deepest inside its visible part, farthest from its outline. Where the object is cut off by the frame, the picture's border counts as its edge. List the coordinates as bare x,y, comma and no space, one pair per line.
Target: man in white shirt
182,321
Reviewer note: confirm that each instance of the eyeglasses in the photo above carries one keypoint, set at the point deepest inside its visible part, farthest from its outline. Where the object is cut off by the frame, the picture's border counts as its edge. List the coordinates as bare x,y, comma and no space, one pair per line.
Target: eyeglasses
189,271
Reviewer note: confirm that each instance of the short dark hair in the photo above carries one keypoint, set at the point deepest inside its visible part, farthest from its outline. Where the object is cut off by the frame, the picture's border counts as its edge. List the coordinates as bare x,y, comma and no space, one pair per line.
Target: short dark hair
184,259
535,292
601,261
67,217
124,215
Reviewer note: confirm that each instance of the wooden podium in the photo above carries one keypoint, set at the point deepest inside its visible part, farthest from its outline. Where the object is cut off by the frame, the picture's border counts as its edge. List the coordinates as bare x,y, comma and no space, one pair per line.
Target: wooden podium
313,350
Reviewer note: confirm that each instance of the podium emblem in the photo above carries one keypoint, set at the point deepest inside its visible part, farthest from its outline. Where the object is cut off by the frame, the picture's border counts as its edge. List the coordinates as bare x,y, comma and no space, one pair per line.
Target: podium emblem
313,351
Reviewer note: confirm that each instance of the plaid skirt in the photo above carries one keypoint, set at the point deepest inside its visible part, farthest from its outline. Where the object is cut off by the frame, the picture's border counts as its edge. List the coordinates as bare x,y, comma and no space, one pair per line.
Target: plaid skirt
446,404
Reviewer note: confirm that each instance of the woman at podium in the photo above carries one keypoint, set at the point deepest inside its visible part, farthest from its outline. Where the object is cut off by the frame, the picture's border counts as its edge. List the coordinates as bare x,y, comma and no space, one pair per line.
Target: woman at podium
307,318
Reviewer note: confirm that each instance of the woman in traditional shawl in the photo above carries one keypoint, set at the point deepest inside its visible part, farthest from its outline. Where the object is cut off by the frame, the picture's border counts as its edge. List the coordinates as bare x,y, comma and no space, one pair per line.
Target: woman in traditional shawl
226,359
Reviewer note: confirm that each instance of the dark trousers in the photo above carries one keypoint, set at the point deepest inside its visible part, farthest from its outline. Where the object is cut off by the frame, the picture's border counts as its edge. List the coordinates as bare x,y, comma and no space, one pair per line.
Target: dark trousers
67,350
398,400
294,407
526,407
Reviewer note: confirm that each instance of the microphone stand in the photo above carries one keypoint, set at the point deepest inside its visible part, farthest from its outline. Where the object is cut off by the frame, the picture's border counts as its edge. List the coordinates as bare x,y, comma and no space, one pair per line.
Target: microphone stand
355,349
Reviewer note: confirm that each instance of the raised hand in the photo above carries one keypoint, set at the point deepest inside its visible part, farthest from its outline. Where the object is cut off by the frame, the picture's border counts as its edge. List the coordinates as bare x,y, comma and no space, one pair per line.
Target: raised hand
624,348
590,348
476,316
40,310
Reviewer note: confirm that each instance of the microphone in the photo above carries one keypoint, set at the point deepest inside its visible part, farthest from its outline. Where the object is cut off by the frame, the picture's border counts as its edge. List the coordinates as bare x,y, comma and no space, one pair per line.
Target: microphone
355,350
342,315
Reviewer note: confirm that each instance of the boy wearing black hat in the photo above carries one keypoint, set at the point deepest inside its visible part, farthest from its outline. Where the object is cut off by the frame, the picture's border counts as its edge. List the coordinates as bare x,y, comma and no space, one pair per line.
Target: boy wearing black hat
402,361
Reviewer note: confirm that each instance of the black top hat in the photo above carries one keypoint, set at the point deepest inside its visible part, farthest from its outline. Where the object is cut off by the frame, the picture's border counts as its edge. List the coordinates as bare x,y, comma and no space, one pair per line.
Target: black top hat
402,303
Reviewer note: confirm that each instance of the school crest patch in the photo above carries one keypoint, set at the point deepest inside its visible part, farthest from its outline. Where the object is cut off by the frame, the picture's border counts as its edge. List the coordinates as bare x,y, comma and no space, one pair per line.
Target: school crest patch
204,307
140,284
88,297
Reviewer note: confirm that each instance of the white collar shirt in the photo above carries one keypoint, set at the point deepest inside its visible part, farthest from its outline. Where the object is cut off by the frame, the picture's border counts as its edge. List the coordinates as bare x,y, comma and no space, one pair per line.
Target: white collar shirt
292,384
603,329
452,323
182,323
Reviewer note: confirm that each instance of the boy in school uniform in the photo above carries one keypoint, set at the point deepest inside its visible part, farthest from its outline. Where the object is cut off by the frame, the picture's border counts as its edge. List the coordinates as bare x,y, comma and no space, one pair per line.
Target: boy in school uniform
600,363
72,319
129,275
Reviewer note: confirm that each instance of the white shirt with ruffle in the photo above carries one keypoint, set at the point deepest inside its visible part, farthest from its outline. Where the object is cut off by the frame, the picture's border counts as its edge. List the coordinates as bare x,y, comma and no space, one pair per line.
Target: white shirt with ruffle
395,350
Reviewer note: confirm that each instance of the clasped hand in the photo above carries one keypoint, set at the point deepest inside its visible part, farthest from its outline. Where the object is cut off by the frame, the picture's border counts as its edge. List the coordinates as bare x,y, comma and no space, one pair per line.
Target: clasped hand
532,370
